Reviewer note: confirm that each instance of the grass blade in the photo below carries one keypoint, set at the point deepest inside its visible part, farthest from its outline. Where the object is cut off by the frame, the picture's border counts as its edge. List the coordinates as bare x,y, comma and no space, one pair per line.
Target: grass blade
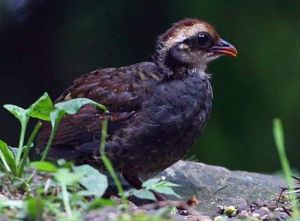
279,141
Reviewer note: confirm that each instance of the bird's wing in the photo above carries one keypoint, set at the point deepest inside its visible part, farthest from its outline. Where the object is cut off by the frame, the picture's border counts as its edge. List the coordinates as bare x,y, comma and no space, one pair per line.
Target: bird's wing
121,90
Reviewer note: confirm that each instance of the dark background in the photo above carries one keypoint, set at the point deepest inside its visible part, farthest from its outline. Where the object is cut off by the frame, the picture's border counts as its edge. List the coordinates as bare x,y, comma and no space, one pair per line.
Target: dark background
45,44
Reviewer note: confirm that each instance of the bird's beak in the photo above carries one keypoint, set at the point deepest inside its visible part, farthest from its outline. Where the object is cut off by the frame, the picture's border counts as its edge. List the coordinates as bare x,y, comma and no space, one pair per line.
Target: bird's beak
225,48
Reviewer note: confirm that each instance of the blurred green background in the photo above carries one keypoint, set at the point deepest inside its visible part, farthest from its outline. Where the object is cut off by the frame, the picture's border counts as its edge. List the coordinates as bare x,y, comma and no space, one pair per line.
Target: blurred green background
45,44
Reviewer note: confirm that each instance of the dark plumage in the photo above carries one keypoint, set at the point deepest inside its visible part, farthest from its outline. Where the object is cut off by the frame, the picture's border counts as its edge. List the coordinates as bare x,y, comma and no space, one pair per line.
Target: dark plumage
157,109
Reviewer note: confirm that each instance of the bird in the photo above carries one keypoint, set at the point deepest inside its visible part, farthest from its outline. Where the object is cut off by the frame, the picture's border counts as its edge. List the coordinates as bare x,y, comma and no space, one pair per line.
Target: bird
157,109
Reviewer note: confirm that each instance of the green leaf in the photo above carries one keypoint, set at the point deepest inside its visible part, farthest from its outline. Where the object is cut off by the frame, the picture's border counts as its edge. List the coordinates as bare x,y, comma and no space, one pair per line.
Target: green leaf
161,186
4,165
23,117
7,157
74,105
44,166
65,164
65,177
61,162
100,202
60,109
14,150
18,112
42,108
165,183
151,182
93,181
165,190
55,116
35,208
144,194
13,204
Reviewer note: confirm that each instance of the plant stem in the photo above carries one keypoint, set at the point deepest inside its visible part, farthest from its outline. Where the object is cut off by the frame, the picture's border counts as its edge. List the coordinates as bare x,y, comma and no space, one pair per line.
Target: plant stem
29,179
100,106
28,146
45,153
279,141
50,141
107,163
21,140
36,129
66,199
4,162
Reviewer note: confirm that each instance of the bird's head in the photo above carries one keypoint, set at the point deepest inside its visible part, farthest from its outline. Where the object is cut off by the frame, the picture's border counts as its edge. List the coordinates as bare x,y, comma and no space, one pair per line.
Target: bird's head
190,43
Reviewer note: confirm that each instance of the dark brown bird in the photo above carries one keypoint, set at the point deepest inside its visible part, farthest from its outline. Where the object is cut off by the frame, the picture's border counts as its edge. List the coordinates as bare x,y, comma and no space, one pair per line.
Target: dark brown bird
157,109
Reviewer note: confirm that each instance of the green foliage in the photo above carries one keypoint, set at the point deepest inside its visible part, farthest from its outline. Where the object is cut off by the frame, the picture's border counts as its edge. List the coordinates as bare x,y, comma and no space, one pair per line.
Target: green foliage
41,109
94,182
159,185
74,105
279,141
65,178
69,190
100,202
35,208
141,217
107,163
63,108
7,158
44,166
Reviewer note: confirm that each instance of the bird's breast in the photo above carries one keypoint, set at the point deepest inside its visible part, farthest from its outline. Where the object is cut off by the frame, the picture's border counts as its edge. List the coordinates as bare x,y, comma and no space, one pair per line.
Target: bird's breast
175,116
179,103
164,129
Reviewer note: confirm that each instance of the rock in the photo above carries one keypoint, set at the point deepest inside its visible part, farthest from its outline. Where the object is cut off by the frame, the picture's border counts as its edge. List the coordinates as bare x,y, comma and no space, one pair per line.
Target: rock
216,186
219,192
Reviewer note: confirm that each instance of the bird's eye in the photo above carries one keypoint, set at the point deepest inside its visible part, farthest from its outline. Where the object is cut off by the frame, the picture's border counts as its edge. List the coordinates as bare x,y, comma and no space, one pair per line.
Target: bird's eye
204,40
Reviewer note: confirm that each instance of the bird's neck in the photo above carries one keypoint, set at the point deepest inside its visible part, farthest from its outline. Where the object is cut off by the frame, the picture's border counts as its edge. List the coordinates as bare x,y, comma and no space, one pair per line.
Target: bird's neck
173,69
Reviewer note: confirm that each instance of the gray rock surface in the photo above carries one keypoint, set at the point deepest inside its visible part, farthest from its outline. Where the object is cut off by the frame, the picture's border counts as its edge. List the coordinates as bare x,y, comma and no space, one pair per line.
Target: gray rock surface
216,186
249,195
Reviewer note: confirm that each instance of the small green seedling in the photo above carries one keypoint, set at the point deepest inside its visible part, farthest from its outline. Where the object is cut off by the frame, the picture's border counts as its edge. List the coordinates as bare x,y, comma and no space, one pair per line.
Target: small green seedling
77,188
93,182
159,185
42,109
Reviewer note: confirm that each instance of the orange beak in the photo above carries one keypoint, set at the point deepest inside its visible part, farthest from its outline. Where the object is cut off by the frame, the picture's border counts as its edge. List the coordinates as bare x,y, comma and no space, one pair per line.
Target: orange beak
225,48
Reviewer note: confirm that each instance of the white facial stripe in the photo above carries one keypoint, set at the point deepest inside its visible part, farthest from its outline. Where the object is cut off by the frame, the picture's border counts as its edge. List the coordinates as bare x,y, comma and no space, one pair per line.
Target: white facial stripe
184,33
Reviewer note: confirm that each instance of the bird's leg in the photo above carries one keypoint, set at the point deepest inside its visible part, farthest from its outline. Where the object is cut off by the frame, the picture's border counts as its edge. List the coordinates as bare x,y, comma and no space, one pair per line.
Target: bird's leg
133,180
